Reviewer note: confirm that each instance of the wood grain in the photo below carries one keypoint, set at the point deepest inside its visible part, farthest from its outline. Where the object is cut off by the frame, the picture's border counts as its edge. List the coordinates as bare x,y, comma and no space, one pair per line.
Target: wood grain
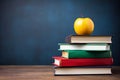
41,72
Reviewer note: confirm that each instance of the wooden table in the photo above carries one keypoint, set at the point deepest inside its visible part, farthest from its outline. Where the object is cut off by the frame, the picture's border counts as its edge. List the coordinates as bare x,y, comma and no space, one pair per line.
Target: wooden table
46,73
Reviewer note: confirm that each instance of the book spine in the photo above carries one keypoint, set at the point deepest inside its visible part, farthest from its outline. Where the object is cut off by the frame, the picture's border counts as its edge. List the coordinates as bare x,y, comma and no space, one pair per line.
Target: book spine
68,39
87,54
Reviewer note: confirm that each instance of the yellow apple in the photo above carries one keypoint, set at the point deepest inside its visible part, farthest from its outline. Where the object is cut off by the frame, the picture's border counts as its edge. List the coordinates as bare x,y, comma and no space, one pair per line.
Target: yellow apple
83,26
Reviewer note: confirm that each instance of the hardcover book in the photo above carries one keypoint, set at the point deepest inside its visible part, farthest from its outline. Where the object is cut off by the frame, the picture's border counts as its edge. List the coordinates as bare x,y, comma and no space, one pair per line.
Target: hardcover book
87,46
88,39
86,54
64,62
82,70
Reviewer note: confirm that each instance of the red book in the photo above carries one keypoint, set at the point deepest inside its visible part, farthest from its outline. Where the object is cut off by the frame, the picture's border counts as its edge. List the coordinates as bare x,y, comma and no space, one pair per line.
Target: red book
64,62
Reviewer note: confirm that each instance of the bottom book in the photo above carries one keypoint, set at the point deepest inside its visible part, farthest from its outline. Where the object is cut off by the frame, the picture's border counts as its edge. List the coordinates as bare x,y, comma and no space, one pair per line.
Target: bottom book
81,70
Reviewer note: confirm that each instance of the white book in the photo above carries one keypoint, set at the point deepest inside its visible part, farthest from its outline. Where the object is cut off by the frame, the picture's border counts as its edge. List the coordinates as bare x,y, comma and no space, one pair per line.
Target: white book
82,70
86,46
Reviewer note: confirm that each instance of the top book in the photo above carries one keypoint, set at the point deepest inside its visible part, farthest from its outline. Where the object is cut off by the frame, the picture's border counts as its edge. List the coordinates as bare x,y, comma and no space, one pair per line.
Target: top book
88,39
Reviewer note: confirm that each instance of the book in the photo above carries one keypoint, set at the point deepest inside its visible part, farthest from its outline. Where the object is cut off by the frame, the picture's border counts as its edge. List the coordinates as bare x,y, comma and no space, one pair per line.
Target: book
86,54
86,46
82,70
88,39
64,62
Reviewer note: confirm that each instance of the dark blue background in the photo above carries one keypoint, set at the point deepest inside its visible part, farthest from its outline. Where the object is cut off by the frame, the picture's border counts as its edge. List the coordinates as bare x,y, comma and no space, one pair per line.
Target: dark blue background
30,30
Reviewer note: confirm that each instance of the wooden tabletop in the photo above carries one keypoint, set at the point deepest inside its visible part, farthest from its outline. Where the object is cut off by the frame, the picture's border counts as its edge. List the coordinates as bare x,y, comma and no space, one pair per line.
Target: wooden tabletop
42,72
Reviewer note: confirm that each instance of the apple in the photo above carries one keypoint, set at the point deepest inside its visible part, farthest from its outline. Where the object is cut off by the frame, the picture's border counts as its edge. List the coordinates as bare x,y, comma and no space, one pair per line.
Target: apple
83,26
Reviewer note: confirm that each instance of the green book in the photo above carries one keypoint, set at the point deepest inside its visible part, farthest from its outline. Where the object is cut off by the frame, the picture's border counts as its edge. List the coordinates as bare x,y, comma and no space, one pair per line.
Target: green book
86,54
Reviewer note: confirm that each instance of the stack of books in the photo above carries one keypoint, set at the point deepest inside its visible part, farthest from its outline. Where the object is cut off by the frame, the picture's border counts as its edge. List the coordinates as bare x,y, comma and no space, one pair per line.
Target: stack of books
84,55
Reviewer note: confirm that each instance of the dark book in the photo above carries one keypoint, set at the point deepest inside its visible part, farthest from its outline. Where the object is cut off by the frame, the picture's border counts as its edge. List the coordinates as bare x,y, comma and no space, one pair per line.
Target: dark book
88,39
